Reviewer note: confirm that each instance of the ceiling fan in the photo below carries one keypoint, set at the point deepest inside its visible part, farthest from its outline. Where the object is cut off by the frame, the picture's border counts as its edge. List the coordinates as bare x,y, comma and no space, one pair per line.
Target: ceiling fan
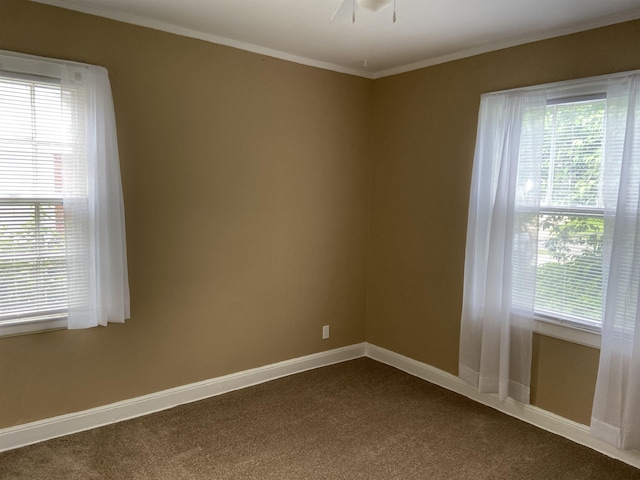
350,7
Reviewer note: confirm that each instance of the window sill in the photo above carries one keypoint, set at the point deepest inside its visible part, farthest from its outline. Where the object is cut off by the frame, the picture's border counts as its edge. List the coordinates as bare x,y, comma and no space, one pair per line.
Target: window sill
570,333
12,329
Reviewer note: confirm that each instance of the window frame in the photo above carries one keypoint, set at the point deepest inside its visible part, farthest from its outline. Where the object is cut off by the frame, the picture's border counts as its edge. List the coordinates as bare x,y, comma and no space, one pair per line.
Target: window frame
551,327
12,328
580,331
44,71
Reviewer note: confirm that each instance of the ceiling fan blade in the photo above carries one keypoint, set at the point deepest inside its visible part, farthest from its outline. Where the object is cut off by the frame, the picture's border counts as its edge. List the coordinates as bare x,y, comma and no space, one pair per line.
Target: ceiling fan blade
345,10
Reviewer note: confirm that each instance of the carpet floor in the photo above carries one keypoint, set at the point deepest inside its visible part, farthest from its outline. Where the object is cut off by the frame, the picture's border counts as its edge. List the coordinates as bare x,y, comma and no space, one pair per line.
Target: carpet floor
355,420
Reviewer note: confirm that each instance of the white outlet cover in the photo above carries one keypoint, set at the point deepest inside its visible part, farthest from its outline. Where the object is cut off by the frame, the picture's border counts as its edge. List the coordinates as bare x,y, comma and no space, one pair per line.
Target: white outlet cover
325,332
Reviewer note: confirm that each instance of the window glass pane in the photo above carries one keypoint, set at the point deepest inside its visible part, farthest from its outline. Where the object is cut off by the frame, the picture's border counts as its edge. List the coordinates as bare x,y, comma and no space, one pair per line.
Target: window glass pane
15,116
569,279
32,263
572,159
571,225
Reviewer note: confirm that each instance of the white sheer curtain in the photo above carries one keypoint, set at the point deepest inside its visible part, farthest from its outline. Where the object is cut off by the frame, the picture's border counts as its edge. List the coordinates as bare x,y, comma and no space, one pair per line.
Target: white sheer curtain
499,285
616,409
93,204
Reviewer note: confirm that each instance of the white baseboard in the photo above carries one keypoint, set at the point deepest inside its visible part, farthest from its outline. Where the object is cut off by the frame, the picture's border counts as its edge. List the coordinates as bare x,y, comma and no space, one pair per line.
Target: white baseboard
34,432
551,422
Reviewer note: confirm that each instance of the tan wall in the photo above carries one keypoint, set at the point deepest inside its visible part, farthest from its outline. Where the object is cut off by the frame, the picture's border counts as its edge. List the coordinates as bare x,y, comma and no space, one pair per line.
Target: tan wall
424,126
246,184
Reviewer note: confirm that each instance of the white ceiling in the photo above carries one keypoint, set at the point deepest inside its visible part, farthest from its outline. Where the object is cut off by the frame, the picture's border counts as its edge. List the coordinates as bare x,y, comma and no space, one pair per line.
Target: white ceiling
426,32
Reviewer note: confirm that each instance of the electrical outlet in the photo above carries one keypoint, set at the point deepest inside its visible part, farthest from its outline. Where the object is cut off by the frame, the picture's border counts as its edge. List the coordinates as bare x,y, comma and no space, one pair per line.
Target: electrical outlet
325,332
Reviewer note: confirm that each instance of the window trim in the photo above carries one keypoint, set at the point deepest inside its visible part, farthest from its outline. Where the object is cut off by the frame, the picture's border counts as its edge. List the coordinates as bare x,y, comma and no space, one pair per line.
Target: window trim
12,328
570,332
577,98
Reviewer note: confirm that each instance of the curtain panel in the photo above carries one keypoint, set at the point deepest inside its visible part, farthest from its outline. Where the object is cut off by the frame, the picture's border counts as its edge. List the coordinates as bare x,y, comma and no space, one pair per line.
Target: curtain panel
92,200
616,409
497,312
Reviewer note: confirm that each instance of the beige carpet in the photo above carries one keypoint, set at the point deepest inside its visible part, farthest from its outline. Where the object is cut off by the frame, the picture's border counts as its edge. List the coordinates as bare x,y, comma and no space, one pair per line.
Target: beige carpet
356,420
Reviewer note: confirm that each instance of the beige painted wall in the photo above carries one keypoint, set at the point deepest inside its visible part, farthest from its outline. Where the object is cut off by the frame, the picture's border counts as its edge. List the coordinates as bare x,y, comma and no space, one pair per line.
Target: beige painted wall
424,126
245,182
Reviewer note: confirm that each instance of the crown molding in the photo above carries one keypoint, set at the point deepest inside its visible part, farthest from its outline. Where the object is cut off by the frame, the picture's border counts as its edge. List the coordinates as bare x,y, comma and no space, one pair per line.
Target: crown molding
207,37
512,42
460,54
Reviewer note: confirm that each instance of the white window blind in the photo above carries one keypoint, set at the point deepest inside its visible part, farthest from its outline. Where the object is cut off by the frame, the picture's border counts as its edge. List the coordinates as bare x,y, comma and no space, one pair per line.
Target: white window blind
33,276
571,222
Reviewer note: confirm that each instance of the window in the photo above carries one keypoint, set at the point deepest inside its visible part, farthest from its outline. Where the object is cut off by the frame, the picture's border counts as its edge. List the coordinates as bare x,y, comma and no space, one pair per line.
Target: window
62,250
554,230
571,218
33,273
